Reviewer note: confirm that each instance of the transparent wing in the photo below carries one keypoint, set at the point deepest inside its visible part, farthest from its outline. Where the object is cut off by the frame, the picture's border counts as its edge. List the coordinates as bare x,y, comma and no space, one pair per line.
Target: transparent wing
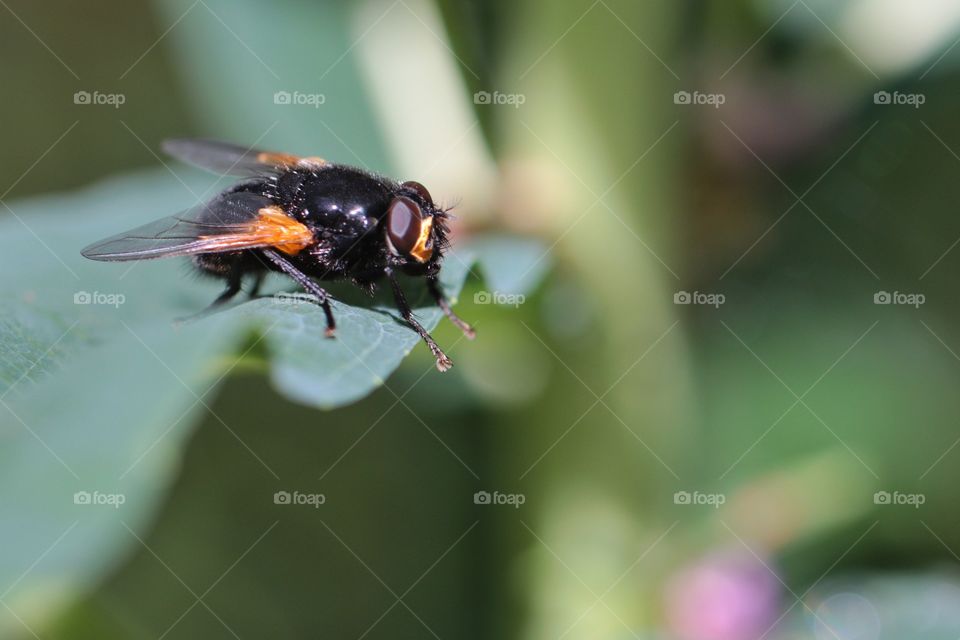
230,159
229,222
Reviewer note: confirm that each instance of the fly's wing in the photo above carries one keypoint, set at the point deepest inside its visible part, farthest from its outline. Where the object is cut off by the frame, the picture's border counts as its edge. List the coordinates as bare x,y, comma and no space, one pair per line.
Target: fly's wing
229,222
228,159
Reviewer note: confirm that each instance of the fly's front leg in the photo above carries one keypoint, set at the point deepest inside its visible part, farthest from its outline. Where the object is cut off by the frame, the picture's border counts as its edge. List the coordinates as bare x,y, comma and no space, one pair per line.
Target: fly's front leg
443,362
433,284
305,281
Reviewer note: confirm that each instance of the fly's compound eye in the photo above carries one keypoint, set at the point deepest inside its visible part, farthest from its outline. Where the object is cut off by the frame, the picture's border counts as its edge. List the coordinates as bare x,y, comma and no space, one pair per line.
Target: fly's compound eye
408,232
419,189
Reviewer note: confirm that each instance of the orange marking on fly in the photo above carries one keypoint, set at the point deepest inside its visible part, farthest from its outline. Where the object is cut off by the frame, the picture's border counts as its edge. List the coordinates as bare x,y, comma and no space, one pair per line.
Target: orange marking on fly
269,157
423,249
272,227
311,162
289,160
282,231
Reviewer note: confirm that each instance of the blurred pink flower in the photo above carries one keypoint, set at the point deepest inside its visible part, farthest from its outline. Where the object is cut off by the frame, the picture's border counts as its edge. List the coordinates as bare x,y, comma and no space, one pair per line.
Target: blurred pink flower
724,596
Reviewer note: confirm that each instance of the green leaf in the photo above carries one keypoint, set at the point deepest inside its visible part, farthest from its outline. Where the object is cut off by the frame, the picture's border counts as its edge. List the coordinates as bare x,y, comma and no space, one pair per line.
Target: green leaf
100,387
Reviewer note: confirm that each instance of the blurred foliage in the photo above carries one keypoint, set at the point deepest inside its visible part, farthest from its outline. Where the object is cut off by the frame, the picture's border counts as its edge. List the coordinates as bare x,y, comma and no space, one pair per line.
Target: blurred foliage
87,52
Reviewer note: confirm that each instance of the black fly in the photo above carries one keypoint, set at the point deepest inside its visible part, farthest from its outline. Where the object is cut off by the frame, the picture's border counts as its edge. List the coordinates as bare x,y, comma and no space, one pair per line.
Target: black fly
304,217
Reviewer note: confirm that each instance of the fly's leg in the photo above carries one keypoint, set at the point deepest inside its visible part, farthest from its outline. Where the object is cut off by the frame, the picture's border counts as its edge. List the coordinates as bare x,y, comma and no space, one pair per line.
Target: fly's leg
443,362
258,279
234,280
433,285
305,281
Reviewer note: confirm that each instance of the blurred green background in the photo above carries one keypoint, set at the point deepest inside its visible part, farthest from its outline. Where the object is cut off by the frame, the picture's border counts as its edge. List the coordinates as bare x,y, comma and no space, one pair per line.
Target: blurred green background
729,412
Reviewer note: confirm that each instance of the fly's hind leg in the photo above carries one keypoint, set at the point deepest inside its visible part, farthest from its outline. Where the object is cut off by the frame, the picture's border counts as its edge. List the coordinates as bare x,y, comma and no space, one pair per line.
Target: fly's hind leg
234,276
234,281
258,279
305,281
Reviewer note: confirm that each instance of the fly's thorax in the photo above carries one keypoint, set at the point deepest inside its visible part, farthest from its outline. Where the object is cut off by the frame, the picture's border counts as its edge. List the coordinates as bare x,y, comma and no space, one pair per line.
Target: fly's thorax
344,198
